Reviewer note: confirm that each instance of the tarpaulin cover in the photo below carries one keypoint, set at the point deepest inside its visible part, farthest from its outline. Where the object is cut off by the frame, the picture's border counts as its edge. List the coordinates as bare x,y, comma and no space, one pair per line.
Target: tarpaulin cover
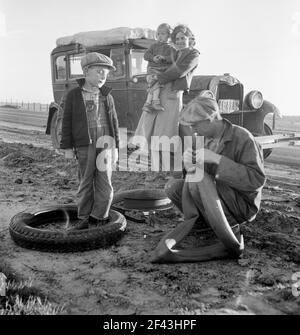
106,37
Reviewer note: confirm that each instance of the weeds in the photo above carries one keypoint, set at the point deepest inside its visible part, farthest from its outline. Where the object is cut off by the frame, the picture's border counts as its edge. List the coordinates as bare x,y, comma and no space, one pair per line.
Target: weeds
22,298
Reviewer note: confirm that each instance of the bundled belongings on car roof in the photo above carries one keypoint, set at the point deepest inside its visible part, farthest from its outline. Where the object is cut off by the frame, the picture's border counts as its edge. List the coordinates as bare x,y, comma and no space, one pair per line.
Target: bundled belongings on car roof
106,37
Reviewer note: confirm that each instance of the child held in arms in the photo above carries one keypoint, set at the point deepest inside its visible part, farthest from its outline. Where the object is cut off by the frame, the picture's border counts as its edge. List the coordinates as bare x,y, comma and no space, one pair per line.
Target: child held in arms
160,56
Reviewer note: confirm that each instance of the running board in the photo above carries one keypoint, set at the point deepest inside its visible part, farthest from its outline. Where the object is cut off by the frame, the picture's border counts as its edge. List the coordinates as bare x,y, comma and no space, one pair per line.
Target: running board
278,140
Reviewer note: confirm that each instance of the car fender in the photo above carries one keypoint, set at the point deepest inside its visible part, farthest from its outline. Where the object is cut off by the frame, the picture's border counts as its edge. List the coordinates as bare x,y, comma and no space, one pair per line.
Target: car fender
268,107
53,108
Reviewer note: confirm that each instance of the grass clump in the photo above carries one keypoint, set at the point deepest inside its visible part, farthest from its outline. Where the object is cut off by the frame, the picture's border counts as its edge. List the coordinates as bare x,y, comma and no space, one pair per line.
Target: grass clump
22,298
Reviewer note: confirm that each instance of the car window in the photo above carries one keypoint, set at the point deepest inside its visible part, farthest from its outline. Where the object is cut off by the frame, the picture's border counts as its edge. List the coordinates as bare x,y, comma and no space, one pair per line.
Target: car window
118,57
138,64
75,67
60,68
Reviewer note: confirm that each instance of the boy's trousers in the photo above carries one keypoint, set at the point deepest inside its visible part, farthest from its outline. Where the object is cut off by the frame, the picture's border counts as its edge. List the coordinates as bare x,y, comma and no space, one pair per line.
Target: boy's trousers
95,192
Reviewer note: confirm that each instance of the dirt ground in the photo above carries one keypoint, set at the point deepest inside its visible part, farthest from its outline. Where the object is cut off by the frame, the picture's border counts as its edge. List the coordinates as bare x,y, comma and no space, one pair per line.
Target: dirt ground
120,279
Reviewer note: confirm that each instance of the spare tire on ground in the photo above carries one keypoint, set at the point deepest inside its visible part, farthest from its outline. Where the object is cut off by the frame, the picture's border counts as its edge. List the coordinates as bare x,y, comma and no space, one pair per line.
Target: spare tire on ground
26,229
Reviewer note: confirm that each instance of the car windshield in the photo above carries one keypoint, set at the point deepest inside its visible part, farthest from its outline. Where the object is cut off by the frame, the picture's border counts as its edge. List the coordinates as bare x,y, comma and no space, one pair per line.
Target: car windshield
60,68
118,57
138,64
75,67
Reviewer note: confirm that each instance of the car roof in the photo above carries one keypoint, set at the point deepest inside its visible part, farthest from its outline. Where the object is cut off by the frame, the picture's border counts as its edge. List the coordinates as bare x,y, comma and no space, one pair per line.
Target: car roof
93,40
143,43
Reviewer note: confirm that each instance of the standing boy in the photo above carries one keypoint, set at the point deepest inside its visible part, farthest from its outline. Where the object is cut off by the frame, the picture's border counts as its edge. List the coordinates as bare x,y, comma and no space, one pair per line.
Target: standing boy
90,114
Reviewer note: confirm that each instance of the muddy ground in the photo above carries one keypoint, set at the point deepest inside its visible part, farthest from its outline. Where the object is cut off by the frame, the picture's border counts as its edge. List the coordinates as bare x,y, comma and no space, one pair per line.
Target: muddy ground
120,279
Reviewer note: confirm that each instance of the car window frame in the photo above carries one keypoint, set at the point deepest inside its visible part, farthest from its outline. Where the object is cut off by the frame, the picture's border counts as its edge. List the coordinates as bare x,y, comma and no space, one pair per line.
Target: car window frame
142,51
56,79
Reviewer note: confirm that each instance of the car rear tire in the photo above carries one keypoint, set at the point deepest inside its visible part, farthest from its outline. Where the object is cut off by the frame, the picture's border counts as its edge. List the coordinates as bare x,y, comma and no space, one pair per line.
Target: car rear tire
25,231
55,130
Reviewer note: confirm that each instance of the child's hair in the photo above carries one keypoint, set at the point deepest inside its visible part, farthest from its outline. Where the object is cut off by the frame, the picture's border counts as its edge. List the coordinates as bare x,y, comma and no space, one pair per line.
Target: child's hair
165,26
182,28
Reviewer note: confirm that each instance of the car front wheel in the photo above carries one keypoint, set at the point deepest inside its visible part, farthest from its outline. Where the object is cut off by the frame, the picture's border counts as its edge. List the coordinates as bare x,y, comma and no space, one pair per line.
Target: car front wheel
267,131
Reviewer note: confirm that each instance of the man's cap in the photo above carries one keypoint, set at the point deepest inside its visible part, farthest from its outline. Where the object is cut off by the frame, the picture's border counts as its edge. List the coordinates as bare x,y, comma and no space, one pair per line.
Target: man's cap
95,58
199,109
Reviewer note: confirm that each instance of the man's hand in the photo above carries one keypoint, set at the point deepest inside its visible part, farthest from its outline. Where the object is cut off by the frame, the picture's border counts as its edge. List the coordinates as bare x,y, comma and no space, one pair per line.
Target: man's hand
188,160
199,156
69,154
211,157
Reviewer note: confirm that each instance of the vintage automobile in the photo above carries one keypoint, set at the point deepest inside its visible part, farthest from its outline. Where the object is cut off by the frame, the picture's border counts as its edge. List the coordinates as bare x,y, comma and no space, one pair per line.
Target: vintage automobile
126,47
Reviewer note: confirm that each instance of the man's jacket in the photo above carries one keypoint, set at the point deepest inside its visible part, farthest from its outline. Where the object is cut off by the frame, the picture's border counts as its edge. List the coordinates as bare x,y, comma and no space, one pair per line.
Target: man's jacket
75,131
239,177
240,174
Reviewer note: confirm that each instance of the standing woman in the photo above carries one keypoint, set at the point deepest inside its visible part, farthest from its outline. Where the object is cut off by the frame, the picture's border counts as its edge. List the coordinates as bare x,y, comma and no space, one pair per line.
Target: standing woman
176,79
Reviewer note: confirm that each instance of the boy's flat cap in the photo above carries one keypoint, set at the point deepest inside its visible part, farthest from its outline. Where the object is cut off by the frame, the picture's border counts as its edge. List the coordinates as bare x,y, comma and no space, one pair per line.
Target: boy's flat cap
95,58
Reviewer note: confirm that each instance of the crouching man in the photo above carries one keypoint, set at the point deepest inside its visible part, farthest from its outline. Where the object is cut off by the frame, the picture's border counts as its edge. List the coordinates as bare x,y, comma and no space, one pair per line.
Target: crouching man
90,114
229,192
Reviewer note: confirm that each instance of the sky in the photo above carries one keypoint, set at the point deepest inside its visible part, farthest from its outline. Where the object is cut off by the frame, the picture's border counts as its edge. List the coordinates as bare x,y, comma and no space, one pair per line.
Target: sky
256,41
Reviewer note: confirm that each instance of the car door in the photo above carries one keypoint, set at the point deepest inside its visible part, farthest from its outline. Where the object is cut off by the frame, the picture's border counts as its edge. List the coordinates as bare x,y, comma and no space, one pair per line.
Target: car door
59,75
117,80
137,86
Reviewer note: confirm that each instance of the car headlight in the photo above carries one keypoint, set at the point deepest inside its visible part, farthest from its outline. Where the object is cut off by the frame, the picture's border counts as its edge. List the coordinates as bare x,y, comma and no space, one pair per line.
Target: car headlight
254,99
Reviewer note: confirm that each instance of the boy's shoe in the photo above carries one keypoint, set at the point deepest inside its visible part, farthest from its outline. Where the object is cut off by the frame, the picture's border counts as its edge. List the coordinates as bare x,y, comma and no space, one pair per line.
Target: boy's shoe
102,222
147,108
82,224
90,223
98,222
157,106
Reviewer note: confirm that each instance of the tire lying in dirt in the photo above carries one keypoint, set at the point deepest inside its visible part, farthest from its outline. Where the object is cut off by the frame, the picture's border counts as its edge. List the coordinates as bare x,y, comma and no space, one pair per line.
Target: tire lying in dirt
142,199
25,229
